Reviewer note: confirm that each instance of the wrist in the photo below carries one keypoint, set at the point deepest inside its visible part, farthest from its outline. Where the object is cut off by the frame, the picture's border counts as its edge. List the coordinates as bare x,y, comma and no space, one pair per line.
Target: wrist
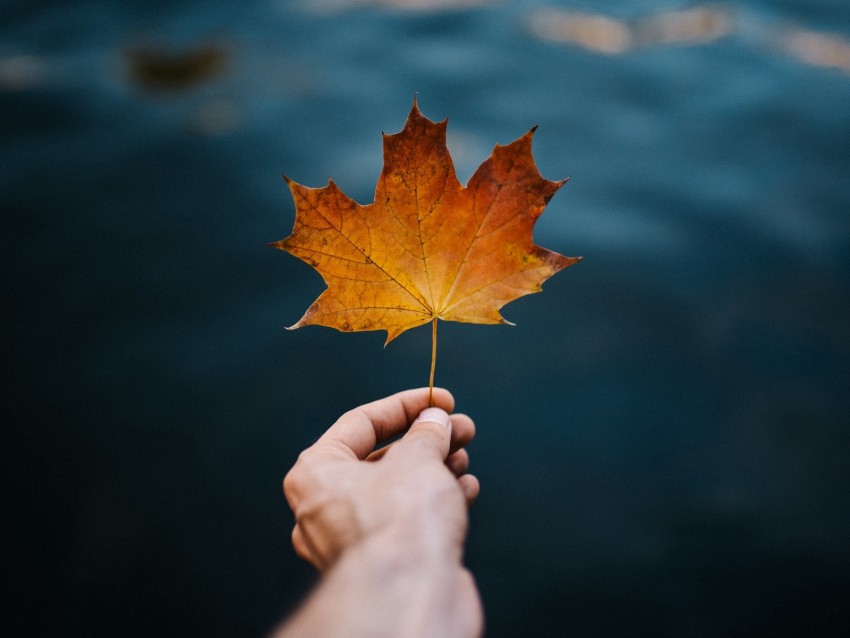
413,541
383,586
412,585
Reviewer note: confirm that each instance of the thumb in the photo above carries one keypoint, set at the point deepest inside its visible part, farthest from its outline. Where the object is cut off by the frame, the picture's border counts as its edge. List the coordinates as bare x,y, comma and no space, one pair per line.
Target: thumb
430,433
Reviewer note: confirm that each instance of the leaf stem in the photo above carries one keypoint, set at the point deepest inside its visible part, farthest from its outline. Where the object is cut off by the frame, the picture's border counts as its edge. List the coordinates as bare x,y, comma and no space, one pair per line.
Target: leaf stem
433,361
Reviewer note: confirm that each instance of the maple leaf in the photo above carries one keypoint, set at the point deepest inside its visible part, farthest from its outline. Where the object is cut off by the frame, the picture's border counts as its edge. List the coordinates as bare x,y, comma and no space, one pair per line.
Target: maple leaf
428,248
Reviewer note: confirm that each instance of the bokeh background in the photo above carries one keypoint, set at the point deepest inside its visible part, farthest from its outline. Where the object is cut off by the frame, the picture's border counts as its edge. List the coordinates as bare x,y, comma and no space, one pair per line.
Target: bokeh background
663,437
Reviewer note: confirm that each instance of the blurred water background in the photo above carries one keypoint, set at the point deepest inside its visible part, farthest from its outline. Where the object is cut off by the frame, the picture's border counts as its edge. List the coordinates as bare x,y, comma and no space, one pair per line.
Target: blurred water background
663,437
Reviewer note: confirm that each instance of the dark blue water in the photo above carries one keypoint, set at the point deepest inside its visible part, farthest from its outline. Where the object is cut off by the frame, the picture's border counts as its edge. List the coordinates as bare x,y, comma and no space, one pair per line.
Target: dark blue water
663,437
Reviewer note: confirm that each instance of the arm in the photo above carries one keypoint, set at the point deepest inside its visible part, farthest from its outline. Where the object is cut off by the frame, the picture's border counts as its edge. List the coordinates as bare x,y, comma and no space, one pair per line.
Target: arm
387,529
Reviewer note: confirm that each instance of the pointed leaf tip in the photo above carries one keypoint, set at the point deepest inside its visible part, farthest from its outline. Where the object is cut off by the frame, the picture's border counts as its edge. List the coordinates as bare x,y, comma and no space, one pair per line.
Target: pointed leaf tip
427,242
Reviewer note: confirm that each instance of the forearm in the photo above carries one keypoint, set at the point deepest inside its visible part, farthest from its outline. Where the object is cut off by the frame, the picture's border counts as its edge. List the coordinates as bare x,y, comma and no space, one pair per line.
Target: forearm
376,590
387,534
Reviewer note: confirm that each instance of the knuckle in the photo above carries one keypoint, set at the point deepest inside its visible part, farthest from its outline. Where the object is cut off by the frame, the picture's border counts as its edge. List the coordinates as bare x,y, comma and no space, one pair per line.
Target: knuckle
290,483
295,483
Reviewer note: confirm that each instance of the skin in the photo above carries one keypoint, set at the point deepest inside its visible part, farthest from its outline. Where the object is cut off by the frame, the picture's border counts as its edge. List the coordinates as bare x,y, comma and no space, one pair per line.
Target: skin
386,529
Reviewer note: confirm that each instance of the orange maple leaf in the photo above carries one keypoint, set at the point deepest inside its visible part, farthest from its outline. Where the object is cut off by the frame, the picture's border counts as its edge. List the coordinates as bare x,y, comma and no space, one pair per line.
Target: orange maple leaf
428,248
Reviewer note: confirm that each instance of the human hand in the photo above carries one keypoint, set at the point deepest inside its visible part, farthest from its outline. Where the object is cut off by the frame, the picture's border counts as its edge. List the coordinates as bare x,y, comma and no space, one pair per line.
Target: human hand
342,491
400,514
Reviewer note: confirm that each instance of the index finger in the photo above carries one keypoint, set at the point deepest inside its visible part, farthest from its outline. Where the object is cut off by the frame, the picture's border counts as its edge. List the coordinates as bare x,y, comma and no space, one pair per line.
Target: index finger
362,428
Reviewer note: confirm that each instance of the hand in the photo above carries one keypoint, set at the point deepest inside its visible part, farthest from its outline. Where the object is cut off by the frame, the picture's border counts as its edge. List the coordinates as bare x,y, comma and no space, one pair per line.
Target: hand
399,514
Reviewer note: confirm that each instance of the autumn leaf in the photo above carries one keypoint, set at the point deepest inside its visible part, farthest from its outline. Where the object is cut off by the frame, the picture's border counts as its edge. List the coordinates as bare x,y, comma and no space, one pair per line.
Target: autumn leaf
428,248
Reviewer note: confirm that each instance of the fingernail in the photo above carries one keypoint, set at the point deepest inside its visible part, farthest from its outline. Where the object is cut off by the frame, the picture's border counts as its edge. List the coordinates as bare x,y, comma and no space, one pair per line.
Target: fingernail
435,415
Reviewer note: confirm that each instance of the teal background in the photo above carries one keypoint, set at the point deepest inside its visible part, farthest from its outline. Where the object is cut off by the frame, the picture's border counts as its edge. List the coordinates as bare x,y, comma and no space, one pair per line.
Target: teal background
663,436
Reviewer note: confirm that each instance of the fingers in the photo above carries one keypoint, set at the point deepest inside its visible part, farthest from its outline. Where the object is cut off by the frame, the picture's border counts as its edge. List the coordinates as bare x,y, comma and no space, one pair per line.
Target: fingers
362,428
429,436
470,487
458,462
463,431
